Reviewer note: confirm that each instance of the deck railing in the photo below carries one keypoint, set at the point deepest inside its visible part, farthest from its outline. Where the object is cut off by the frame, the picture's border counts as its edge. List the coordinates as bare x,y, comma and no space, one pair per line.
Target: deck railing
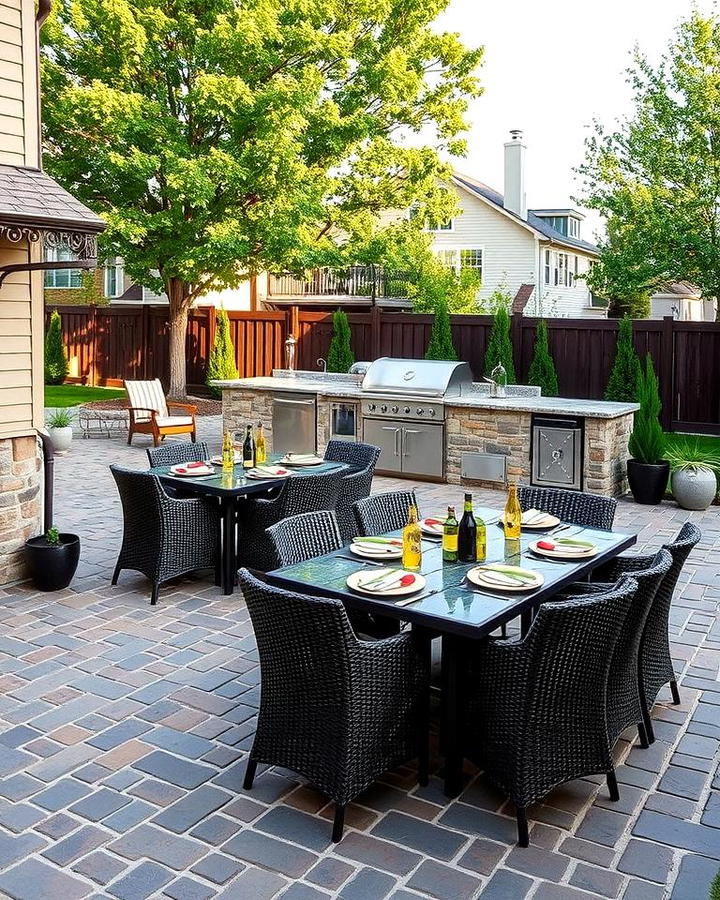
369,281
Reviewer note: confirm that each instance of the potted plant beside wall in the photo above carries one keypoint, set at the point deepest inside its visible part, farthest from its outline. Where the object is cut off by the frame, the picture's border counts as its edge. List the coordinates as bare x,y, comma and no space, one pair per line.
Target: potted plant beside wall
648,471
694,474
52,559
59,426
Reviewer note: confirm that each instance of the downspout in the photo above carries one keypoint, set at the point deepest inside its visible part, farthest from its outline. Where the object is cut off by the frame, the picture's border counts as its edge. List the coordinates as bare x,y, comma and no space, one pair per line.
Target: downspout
48,478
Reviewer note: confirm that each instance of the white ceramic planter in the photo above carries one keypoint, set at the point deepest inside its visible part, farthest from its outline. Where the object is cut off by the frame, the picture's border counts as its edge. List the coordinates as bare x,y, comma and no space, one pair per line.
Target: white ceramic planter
694,488
61,438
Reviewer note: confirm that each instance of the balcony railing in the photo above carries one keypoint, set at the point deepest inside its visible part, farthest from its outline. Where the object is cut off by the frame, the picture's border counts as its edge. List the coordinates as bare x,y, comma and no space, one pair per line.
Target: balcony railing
371,282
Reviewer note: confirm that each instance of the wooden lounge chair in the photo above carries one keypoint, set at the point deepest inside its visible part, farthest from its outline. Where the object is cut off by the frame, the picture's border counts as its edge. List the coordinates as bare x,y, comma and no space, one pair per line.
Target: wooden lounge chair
150,412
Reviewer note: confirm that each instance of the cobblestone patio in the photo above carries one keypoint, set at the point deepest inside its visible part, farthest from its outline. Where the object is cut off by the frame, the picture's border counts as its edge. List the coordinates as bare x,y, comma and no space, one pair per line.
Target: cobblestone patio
124,731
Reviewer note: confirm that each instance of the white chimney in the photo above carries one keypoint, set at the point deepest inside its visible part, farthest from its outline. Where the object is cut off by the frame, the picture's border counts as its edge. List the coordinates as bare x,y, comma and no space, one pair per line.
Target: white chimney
515,201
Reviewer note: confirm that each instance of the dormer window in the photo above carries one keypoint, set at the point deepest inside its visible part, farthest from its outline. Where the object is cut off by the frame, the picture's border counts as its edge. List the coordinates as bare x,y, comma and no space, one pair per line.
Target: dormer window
573,227
564,221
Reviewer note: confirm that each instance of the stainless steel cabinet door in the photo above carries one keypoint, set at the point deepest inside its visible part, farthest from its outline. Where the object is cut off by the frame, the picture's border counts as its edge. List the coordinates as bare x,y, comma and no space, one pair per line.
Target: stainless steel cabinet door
422,450
387,437
293,423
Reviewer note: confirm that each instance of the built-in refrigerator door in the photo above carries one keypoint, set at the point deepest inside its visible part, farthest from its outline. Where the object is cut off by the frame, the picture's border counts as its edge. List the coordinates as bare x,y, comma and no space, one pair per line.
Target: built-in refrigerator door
387,437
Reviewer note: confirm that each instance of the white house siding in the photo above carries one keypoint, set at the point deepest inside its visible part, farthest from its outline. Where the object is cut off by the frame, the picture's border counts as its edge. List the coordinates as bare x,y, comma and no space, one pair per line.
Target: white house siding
509,249
560,300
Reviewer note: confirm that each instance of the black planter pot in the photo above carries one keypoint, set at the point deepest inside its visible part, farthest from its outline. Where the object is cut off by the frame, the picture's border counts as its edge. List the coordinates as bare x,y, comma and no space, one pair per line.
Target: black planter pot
648,481
52,566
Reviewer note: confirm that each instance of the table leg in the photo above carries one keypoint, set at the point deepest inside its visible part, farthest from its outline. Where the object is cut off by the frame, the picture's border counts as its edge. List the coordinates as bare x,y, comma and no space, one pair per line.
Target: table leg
423,638
526,617
454,666
227,512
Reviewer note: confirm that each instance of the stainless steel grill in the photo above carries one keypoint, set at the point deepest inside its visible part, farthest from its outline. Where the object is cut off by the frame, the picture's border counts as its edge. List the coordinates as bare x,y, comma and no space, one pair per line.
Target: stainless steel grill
404,414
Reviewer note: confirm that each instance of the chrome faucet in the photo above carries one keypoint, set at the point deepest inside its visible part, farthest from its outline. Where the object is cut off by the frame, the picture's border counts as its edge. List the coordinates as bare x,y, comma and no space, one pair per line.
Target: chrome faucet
322,364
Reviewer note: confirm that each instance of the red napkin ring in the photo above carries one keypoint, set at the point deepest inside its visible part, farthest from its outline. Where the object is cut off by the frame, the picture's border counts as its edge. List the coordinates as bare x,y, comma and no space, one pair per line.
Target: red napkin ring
407,580
546,545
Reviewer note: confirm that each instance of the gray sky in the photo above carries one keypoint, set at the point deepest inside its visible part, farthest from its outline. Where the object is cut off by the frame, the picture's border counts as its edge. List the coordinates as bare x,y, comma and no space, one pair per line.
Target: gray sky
550,68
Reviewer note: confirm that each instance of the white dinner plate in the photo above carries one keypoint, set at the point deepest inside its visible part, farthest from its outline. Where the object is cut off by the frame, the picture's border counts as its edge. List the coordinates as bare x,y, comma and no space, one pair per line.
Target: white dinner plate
195,472
290,460
260,476
217,460
434,530
484,579
546,523
377,551
354,582
564,552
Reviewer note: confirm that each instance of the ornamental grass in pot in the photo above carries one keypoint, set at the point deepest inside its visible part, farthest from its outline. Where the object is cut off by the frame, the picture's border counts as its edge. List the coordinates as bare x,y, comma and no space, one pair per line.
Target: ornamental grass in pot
695,471
52,559
648,470
59,426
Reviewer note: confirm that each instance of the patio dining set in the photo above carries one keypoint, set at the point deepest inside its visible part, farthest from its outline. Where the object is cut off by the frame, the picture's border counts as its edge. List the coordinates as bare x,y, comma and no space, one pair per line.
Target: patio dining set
534,686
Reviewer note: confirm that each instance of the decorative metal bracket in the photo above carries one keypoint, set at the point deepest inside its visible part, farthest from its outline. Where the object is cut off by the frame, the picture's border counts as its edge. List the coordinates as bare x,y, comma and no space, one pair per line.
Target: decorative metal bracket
46,267
82,244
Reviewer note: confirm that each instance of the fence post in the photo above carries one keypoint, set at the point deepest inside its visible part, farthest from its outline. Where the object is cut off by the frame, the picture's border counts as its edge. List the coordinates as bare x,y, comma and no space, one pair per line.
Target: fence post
516,338
667,371
92,345
294,324
375,329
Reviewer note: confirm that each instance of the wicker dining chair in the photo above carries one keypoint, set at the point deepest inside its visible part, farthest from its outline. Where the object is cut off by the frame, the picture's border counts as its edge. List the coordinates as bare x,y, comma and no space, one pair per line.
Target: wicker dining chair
337,710
381,513
536,712
355,485
626,704
163,537
304,537
656,665
299,494
177,453
575,507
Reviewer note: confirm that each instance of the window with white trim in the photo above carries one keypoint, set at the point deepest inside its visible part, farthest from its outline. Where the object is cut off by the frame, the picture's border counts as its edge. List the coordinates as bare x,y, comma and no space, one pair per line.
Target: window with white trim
62,278
113,278
471,258
573,227
547,267
449,258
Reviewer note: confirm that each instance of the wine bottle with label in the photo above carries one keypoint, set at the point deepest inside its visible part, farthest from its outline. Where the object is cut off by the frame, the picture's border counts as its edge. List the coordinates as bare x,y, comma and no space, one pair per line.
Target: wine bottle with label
450,537
512,517
248,449
412,542
260,451
467,533
228,453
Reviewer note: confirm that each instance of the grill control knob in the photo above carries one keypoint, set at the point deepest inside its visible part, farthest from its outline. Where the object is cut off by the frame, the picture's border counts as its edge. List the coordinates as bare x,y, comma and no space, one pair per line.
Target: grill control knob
383,408
394,409
432,412
407,410
371,407
419,410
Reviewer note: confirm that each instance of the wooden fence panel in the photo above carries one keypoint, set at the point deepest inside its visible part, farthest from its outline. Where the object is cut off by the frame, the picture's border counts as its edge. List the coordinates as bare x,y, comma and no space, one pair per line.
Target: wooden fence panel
119,345
313,338
259,339
696,388
78,335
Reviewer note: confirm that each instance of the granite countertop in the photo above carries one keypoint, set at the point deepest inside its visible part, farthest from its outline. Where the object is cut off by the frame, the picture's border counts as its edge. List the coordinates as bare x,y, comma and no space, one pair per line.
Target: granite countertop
345,388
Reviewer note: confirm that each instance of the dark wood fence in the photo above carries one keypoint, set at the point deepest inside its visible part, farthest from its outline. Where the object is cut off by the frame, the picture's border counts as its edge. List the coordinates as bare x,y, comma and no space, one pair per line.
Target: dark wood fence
109,344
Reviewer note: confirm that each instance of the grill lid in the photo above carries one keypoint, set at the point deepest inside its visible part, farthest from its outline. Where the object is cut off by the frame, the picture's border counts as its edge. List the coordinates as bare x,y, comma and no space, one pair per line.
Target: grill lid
426,377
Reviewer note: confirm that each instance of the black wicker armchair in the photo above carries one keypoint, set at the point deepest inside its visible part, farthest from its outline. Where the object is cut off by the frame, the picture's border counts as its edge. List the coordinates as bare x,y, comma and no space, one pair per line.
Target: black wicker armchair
537,705
355,485
337,710
625,698
656,666
177,453
575,507
299,494
304,537
163,537
383,512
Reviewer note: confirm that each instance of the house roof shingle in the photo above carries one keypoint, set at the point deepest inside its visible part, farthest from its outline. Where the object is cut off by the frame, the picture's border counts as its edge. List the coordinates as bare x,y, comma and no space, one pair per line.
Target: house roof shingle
552,234
30,197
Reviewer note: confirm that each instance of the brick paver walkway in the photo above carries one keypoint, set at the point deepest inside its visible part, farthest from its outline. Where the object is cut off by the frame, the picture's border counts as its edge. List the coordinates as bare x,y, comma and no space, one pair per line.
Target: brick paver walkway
124,731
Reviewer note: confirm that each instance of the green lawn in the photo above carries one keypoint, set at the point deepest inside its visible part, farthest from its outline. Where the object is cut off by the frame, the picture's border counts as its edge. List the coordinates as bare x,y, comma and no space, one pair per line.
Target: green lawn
76,394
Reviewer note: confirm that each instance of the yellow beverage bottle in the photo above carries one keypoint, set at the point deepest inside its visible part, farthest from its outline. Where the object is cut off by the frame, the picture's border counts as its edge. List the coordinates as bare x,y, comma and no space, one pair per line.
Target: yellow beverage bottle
228,453
480,540
412,542
260,448
513,514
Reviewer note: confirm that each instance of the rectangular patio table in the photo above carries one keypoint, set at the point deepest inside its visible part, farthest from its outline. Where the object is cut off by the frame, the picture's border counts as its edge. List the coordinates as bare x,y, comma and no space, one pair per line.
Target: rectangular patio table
231,492
454,608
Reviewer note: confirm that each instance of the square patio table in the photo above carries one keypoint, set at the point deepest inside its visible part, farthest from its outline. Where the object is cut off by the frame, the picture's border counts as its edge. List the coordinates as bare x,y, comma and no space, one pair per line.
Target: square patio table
452,607
231,491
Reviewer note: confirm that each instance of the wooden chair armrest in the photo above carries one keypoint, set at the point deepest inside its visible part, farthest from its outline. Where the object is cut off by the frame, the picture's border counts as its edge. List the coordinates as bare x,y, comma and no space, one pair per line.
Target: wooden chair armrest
144,409
189,408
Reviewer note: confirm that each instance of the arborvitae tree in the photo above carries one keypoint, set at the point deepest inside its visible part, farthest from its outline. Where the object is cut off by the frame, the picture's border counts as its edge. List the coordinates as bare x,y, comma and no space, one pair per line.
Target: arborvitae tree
715,888
499,348
542,368
647,440
221,364
56,361
340,355
624,383
441,342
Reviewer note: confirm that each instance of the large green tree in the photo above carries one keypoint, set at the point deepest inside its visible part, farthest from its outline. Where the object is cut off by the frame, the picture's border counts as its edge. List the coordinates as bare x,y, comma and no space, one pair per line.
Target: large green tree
220,139
656,177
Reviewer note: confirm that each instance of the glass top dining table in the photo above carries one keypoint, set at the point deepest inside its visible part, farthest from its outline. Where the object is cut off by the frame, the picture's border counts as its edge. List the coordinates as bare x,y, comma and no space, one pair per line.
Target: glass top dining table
231,489
452,607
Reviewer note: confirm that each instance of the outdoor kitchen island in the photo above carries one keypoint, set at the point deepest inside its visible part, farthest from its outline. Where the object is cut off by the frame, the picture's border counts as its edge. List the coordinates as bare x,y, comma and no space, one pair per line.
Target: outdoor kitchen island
450,431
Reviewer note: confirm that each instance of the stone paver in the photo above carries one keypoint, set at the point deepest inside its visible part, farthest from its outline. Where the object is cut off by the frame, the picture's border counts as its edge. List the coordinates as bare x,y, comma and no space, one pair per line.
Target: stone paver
124,731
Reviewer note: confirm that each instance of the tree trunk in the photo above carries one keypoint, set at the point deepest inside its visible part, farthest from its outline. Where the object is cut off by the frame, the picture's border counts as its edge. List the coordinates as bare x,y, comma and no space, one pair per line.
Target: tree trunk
178,292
